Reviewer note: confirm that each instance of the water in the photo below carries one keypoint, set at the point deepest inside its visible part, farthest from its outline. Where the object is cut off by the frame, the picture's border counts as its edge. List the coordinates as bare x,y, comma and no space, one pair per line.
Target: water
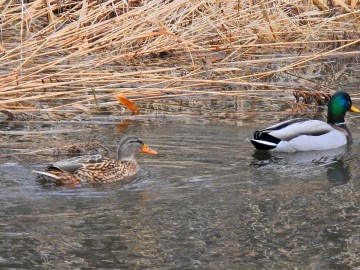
206,201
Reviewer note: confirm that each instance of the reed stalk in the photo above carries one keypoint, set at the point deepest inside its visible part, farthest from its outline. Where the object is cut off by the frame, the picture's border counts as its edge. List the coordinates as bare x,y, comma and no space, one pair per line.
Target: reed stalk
55,54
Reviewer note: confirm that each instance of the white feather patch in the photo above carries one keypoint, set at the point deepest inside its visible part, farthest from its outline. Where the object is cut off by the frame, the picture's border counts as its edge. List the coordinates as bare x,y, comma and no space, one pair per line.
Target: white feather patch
47,174
330,140
265,142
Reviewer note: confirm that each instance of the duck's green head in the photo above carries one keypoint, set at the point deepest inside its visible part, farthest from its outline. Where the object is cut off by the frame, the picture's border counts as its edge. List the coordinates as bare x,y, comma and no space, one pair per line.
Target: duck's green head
338,105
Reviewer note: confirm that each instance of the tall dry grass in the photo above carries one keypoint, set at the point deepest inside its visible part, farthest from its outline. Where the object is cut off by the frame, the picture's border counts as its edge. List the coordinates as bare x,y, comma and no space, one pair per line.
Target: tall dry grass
66,53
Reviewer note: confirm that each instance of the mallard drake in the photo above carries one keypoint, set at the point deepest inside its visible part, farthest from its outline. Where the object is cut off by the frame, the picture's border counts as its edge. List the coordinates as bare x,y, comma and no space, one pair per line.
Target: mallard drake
96,168
307,134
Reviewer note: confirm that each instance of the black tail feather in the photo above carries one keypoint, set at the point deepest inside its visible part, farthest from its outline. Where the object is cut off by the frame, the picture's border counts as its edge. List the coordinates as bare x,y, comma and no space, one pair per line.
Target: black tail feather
265,137
258,135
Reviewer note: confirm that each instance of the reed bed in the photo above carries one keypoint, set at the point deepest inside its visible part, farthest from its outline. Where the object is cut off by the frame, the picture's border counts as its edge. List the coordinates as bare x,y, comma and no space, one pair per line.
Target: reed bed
58,54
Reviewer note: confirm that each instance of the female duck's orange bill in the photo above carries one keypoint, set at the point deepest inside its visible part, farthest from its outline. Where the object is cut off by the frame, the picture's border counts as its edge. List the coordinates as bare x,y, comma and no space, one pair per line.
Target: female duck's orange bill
354,109
147,150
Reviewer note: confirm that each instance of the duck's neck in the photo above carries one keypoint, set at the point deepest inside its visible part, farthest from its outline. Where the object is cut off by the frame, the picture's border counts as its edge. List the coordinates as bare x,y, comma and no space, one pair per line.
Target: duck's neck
336,116
123,157
123,154
336,110
345,129
339,124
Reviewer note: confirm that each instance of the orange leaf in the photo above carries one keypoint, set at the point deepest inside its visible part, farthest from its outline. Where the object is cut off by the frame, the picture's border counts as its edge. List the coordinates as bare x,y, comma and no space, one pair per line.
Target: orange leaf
127,103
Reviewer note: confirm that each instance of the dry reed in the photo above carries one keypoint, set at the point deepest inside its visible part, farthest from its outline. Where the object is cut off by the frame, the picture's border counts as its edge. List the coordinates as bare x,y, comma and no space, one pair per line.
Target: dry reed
56,54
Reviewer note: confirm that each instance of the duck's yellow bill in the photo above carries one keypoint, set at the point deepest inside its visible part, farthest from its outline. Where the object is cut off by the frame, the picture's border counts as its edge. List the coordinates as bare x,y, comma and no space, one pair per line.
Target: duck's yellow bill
147,150
354,109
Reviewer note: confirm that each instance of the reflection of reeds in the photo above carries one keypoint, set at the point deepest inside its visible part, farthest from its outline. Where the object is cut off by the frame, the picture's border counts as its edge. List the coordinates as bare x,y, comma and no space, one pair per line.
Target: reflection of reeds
66,53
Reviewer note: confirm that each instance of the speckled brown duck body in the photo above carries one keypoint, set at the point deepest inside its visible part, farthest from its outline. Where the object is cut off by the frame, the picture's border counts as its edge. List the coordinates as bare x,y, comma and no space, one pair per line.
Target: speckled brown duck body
96,168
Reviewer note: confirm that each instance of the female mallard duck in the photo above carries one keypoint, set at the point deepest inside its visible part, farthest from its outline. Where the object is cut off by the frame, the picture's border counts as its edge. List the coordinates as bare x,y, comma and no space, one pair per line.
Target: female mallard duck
307,134
98,169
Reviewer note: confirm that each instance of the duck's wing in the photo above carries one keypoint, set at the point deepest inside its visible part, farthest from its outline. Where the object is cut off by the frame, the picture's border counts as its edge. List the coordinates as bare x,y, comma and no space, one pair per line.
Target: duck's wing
293,128
73,164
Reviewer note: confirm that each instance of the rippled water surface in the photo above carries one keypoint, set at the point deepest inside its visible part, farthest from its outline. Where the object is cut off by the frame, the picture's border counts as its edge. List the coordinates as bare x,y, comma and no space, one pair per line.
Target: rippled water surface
206,201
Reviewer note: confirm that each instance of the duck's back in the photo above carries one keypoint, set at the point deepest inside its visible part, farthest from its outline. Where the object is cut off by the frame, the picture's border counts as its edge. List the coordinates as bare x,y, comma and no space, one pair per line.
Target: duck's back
290,129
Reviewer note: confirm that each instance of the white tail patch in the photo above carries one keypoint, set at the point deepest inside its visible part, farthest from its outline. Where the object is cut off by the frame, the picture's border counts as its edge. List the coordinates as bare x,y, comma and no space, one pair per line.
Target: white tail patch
264,142
47,174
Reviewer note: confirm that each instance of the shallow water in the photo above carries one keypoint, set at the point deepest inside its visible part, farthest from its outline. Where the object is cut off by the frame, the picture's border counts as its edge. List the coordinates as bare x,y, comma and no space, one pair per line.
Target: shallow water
206,201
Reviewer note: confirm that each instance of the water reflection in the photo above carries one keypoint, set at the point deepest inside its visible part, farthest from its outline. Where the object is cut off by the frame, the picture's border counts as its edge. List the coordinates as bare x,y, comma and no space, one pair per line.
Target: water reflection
204,203
338,173
332,160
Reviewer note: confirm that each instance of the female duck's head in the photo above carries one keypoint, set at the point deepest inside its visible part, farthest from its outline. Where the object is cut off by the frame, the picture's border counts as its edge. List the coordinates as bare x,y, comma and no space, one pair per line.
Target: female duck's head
131,145
338,105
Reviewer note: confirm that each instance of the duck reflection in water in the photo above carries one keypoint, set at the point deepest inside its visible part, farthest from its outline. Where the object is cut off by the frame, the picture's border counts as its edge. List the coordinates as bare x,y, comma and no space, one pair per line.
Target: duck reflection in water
337,166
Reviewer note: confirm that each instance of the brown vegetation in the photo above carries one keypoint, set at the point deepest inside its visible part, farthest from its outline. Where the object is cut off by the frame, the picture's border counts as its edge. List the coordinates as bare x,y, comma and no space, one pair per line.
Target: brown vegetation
80,54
